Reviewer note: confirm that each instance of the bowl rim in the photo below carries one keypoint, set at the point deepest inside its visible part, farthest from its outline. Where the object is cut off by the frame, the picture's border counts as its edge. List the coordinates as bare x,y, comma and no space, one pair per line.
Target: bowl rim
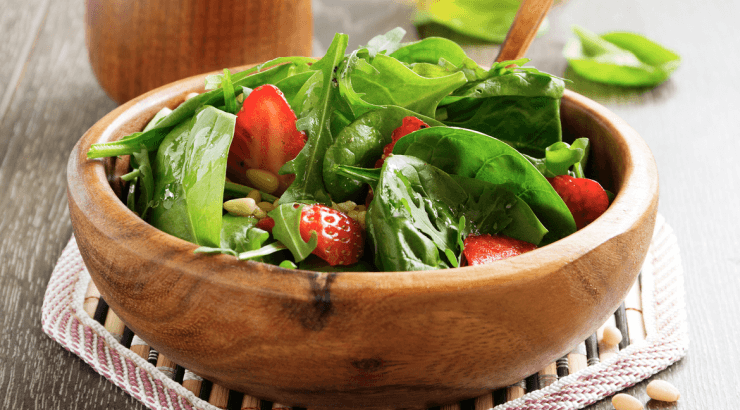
634,200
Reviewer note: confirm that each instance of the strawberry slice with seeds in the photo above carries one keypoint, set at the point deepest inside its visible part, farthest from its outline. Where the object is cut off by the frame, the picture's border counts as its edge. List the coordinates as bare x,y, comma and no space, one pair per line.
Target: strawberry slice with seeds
340,238
585,198
481,249
408,125
265,136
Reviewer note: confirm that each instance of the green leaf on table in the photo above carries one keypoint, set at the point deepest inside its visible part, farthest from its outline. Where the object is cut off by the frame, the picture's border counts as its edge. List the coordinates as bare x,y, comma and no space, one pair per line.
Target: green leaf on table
619,58
486,20
190,170
287,231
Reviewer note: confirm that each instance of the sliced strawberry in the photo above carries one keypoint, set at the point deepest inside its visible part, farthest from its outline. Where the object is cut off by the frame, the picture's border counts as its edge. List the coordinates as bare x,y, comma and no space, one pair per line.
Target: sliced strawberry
585,197
341,240
409,125
480,249
265,136
266,224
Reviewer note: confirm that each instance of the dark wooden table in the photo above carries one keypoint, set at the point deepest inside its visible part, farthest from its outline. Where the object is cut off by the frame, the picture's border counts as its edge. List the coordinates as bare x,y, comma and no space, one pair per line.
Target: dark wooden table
49,97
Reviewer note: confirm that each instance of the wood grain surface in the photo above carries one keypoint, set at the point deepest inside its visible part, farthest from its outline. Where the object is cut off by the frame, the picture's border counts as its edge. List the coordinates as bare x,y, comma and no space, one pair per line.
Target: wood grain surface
49,97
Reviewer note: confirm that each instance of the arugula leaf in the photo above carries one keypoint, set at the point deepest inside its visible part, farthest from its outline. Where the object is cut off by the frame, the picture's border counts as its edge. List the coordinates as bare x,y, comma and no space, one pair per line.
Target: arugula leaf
487,20
190,174
360,144
315,120
619,58
287,230
472,154
261,252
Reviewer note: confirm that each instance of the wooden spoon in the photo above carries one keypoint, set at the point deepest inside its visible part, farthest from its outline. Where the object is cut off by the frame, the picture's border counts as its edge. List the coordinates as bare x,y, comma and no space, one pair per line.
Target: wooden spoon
526,23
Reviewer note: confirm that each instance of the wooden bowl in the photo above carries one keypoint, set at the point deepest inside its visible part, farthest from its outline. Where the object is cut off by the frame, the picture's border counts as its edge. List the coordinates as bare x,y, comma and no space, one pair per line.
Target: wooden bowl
375,339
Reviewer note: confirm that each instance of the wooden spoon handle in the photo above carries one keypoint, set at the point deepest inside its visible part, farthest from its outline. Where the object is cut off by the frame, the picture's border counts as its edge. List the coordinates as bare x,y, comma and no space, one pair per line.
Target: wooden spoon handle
526,23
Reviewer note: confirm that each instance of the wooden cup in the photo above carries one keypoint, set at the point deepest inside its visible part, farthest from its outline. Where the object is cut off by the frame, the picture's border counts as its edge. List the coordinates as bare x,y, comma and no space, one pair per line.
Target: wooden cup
137,45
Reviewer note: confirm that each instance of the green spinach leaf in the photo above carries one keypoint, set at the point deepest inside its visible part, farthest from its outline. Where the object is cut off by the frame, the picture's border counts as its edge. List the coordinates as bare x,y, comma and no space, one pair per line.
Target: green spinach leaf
474,155
360,144
619,58
518,106
190,169
393,83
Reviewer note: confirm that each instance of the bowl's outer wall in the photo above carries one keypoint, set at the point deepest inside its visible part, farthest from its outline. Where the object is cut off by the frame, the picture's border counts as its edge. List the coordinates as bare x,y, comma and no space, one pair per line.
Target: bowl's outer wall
379,339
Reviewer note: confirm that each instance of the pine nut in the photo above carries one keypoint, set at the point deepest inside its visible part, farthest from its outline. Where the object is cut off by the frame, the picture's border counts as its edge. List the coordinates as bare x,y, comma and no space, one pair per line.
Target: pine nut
346,206
256,195
353,214
361,208
612,336
242,207
191,95
663,391
623,401
276,203
263,180
266,206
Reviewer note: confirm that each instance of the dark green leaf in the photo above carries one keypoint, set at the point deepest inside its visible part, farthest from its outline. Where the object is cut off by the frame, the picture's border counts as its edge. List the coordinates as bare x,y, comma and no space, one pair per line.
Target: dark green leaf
472,154
360,144
315,120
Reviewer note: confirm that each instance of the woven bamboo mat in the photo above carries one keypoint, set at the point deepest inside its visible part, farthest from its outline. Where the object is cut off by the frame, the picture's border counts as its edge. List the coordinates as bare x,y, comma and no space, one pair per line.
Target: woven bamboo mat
652,320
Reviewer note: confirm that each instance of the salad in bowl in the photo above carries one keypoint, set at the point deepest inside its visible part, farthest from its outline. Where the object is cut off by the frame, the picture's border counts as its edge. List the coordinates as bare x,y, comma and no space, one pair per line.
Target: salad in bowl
393,157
